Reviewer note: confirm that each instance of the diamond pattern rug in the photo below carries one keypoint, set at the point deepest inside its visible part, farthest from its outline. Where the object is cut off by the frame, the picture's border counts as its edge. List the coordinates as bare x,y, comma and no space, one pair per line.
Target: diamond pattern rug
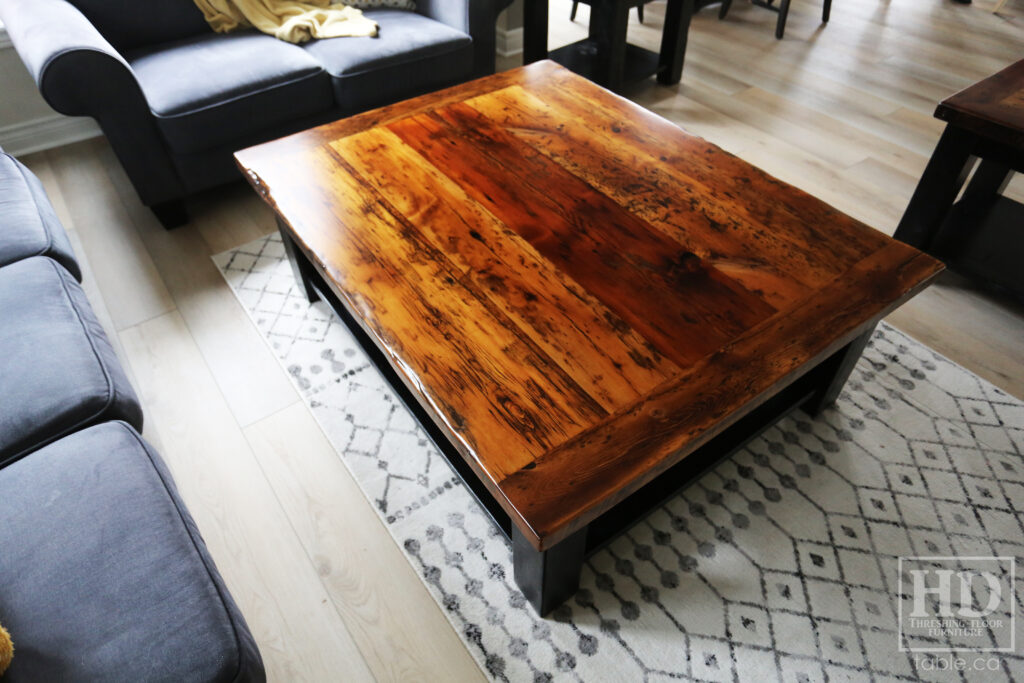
779,564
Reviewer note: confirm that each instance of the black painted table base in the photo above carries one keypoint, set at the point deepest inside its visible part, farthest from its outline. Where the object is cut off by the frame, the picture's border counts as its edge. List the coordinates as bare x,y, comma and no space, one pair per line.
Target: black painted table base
605,56
981,235
549,577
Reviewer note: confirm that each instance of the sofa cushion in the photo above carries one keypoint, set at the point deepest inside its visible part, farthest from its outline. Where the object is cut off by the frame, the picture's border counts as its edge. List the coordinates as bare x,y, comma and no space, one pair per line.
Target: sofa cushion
373,4
210,89
58,372
28,224
129,23
103,574
412,55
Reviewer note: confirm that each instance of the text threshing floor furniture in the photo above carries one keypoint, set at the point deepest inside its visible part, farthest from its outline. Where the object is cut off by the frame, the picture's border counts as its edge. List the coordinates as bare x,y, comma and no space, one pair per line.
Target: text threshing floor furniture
582,304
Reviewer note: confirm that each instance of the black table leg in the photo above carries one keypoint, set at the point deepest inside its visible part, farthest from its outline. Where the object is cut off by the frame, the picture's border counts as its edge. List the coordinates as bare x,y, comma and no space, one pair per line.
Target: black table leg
609,22
988,181
548,577
834,372
301,268
673,40
535,31
780,23
942,179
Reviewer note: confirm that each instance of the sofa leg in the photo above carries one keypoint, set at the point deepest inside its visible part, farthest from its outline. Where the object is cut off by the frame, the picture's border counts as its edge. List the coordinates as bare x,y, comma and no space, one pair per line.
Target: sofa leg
171,214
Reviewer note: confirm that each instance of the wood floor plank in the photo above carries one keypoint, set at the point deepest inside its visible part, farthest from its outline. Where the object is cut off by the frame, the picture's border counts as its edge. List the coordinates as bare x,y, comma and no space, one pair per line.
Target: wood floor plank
399,628
132,286
297,628
238,356
883,176
231,220
963,322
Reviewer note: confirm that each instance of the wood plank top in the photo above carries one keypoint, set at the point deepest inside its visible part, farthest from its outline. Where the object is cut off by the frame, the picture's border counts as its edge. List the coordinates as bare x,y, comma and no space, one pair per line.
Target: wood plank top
578,291
992,107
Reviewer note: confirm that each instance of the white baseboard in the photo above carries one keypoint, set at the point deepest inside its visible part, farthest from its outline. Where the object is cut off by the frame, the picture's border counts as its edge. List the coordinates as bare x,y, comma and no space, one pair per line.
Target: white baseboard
509,41
46,133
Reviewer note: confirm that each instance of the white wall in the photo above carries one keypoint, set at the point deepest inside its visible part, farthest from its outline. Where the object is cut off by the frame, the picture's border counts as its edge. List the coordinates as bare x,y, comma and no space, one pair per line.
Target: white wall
27,124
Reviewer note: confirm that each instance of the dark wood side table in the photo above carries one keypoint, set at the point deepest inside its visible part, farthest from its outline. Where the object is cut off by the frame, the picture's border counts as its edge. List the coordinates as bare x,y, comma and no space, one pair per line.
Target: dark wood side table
604,56
982,234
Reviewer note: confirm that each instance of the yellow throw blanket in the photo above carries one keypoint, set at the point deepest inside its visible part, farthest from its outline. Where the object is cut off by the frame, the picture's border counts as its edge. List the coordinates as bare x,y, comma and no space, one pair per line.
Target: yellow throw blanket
289,20
6,650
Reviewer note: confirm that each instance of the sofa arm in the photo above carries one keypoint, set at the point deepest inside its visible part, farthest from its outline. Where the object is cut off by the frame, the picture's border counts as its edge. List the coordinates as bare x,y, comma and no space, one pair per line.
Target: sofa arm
475,17
79,73
48,36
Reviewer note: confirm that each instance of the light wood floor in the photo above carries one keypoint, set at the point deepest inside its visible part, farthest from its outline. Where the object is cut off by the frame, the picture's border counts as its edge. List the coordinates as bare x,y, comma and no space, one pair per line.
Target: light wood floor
843,112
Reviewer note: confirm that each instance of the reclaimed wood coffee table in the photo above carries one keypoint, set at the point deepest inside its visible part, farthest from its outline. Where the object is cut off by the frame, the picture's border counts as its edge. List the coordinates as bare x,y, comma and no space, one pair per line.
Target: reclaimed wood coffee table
583,304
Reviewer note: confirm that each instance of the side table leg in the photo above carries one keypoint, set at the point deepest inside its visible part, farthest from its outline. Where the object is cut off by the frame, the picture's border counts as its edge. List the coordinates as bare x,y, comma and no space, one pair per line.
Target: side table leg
535,31
548,577
673,40
835,371
301,268
780,23
989,180
942,179
957,235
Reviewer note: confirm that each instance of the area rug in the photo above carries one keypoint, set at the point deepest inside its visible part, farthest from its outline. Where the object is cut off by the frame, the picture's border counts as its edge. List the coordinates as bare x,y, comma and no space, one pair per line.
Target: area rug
782,563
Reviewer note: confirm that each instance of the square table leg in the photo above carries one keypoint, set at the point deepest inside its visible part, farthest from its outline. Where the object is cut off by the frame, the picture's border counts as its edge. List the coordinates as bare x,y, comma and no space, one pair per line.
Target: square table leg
940,183
609,23
673,40
535,31
548,577
301,268
834,372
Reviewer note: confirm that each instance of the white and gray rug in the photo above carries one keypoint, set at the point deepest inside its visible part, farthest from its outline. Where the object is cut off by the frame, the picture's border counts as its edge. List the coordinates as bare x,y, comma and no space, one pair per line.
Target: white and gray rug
780,564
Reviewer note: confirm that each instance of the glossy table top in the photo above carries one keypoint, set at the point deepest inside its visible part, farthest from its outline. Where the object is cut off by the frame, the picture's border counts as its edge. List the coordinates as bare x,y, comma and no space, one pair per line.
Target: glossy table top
577,290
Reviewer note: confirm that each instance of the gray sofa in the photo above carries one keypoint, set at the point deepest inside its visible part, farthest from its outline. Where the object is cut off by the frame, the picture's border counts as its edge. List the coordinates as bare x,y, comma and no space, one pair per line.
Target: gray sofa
103,574
175,99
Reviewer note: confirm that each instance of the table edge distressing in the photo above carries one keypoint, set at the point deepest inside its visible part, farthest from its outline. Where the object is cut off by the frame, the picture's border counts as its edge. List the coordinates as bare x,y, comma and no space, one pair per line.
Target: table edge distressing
546,526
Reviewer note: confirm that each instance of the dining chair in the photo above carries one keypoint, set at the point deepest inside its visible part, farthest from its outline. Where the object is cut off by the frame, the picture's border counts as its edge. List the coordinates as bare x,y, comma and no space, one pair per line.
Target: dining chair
782,9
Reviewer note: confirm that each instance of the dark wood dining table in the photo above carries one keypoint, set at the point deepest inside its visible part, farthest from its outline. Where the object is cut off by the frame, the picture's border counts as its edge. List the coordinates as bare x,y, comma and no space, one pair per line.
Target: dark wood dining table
605,56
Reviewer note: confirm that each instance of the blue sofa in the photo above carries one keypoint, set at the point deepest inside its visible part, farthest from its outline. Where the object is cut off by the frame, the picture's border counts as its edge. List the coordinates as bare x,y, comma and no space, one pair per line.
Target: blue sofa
176,99
103,574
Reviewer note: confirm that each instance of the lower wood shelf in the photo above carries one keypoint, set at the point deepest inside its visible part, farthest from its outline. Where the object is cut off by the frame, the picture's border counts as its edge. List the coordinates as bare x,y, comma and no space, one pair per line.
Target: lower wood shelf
586,58
986,244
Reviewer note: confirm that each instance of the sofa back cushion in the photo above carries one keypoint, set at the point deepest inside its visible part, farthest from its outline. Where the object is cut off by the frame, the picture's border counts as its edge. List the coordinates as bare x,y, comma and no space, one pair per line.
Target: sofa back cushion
130,24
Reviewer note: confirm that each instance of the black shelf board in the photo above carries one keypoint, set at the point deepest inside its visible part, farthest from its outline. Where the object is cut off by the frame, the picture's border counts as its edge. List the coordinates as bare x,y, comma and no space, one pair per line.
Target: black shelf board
586,58
986,245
